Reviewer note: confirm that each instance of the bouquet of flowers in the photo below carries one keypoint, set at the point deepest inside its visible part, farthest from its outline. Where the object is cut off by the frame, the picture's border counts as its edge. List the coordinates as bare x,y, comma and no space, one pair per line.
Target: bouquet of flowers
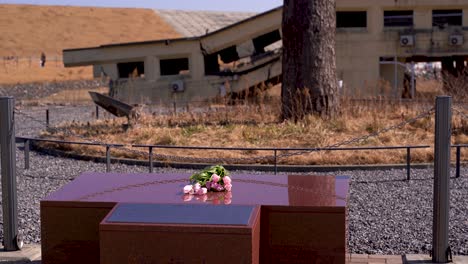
214,178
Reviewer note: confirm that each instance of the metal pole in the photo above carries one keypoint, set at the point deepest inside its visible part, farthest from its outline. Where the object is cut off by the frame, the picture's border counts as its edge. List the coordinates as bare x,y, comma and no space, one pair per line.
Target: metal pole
443,133
276,166
47,117
151,159
26,154
97,112
8,161
395,84
408,163
413,88
458,161
108,159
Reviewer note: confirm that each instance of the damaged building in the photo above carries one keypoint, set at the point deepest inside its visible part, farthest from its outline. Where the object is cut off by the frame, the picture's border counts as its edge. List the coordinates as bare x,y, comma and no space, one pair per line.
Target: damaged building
376,44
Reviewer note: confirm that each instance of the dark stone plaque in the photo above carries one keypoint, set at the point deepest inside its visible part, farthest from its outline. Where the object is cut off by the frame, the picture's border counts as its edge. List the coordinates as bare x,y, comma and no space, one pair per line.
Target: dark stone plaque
181,214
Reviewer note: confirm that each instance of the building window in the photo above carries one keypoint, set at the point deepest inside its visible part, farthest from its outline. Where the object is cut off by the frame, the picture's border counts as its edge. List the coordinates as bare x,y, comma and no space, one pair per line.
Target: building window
441,18
174,66
262,42
351,19
402,18
131,69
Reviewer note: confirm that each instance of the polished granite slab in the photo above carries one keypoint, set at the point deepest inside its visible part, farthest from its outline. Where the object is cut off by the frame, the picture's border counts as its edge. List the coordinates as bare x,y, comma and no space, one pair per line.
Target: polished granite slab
286,190
303,217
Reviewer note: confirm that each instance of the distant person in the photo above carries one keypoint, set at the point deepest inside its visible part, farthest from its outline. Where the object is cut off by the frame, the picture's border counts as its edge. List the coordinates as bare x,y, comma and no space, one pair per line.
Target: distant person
43,60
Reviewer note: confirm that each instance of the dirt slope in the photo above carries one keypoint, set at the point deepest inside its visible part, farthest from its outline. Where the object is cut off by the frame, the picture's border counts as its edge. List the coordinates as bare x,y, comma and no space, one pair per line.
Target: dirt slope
27,30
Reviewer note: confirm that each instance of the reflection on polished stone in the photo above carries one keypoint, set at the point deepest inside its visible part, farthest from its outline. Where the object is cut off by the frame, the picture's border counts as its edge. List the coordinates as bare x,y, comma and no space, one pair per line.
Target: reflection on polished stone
210,197
315,191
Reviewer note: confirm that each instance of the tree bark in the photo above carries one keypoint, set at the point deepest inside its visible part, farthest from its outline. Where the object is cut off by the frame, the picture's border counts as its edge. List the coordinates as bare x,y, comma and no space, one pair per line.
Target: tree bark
310,84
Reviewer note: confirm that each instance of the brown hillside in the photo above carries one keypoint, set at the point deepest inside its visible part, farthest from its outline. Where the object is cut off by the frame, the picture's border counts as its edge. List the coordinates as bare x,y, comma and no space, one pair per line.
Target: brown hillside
27,30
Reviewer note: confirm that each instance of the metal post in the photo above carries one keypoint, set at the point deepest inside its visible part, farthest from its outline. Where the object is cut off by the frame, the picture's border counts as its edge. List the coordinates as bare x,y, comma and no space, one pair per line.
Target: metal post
175,108
458,161
413,88
151,159
108,158
440,228
47,117
97,112
26,154
408,163
395,85
276,167
8,161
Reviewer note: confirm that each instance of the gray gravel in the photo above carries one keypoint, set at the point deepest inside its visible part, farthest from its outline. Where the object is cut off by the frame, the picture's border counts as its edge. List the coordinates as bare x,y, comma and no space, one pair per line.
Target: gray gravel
386,214
37,90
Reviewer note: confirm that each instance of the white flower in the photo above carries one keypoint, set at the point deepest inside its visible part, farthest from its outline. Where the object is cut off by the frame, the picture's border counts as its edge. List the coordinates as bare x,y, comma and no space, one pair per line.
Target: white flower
188,189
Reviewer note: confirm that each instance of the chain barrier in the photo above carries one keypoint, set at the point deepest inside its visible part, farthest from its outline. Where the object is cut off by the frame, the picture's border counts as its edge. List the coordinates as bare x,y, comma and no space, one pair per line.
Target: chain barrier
258,159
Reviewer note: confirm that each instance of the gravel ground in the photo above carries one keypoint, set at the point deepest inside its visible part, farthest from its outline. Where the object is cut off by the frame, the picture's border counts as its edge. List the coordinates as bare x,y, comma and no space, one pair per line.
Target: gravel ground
386,214
37,90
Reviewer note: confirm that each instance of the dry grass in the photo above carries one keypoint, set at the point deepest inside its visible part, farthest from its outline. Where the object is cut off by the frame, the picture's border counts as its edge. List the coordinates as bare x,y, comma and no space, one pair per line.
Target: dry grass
255,124
28,30
28,71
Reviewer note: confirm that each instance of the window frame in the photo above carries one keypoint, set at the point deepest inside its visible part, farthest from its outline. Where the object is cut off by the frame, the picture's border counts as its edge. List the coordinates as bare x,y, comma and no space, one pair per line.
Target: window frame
162,69
451,13
387,25
352,27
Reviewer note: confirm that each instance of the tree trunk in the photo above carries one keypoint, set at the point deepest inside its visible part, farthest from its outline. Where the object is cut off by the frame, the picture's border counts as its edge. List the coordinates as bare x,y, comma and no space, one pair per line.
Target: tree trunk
310,83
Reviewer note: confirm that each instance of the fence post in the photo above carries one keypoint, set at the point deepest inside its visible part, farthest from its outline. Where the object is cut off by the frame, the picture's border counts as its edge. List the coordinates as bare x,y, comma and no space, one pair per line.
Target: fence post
151,159
276,166
8,161
97,112
108,158
26,154
408,163
457,175
175,108
47,117
441,201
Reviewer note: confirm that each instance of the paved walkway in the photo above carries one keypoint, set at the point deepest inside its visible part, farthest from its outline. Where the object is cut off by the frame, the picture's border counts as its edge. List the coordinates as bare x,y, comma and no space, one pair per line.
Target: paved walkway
32,254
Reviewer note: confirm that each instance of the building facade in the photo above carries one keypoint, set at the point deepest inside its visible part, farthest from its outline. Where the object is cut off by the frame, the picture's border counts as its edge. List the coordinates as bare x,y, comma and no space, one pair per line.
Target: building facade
375,43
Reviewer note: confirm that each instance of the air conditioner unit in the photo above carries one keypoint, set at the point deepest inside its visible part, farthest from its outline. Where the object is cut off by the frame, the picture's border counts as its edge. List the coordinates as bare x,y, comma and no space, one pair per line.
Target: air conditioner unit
456,40
406,40
177,86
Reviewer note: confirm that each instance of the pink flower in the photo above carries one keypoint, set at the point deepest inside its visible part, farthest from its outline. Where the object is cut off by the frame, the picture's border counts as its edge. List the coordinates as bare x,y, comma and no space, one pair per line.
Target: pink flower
228,187
208,185
188,188
219,188
196,187
227,180
201,191
214,186
187,197
215,178
204,198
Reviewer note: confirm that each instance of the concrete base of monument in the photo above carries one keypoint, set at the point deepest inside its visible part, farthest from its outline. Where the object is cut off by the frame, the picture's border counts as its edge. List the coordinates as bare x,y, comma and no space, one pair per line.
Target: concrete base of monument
154,233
